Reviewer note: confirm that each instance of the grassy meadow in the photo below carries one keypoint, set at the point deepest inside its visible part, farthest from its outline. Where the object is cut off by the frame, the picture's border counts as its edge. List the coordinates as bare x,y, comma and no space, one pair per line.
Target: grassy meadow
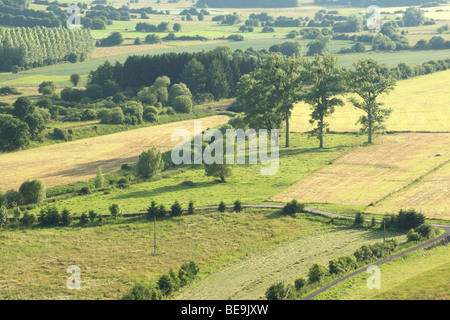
421,275
112,256
296,163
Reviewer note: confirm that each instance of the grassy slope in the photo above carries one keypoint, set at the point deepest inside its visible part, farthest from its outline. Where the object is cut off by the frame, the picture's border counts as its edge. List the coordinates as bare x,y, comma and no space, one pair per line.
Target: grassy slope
296,163
422,275
114,255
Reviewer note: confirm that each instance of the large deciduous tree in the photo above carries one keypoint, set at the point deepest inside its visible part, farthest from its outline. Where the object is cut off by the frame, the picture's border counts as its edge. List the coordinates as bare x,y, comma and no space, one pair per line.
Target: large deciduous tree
325,82
369,81
269,93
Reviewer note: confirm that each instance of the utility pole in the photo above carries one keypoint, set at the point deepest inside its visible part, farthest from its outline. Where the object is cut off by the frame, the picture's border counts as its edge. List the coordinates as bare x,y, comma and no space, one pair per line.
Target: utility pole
384,236
154,236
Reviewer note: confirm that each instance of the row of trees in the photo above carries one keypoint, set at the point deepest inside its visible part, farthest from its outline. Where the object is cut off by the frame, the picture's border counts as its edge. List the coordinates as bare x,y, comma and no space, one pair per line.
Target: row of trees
39,46
269,93
166,285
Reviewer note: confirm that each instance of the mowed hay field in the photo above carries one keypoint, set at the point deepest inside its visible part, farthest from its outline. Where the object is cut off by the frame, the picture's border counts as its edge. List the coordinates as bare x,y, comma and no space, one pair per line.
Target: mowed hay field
249,278
370,174
79,160
419,104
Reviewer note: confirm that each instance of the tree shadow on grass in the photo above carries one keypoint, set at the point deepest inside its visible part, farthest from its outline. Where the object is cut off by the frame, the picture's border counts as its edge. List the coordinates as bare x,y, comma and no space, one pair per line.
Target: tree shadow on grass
164,190
299,151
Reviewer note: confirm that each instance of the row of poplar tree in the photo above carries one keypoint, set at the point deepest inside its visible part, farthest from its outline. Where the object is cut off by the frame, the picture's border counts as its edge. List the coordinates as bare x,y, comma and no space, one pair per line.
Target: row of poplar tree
40,46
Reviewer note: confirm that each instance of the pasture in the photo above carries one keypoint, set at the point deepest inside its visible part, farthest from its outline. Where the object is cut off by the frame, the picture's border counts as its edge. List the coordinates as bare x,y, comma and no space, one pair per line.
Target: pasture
113,255
429,195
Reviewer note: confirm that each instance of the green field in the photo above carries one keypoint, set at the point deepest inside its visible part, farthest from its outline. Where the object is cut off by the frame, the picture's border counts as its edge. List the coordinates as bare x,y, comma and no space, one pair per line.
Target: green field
421,275
301,160
116,254
240,254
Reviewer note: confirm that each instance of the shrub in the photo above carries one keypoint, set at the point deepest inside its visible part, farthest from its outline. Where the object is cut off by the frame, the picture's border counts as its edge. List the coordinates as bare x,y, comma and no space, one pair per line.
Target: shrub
28,219
300,283
143,291
191,209
165,285
187,272
152,211
426,231
125,166
66,217
363,254
150,163
84,191
3,216
237,206
279,292
115,210
342,265
92,215
359,219
84,219
408,219
33,191
162,211
412,235
293,207
176,210
182,104
50,216
123,183
222,207
317,272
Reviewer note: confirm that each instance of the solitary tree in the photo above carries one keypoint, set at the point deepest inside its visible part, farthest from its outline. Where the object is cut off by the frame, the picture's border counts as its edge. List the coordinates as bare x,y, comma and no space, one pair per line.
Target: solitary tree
221,171
369,81
75,79
176,27
33,191
326,82
150,163
99,179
